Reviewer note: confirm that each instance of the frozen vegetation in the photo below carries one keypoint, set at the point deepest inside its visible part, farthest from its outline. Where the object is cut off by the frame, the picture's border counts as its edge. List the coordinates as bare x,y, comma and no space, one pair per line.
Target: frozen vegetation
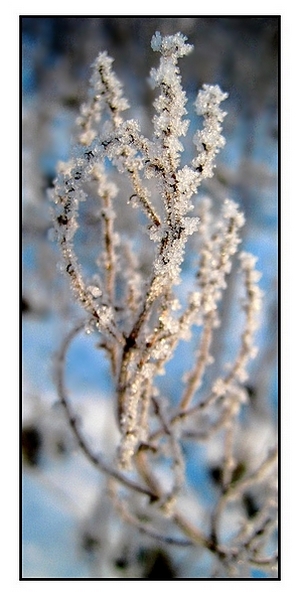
140,319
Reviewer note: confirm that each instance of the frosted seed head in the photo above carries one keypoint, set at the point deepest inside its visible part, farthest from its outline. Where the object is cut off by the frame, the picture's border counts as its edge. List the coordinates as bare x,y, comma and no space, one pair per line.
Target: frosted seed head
171,45
208,101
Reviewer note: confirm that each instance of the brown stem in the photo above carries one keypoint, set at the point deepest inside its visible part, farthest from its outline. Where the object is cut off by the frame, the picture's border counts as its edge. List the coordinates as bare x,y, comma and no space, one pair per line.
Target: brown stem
196,376
73,421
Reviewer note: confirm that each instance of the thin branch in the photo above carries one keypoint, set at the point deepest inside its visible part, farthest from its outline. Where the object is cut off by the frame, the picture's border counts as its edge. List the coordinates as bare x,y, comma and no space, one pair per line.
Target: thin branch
238,488
95,459
128,517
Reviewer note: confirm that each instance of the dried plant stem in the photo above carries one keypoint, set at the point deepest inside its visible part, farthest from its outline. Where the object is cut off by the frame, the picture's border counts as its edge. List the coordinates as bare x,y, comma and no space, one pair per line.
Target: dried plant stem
195,377
95,459
143,527
146,473
237,489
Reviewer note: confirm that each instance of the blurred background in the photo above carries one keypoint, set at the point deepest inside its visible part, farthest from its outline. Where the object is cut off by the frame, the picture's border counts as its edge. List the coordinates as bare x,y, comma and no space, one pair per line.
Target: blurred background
69,530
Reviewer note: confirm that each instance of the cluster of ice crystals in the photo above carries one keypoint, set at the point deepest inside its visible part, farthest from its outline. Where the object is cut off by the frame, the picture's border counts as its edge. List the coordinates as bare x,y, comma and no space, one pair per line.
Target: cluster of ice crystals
216,255
126,450
107,315
167,265
94,291
105,93
209,140
168,126
254,295
208,102
174,46
170,324
105,186
161,350
104,81
188,182
168,123
130,420
219,387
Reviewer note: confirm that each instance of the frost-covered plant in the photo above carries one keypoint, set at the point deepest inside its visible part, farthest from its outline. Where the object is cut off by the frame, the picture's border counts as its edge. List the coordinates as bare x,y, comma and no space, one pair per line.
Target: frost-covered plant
141,317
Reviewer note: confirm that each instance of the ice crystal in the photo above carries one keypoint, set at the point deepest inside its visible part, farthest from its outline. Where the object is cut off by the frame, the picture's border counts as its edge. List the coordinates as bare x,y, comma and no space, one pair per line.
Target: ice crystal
172,45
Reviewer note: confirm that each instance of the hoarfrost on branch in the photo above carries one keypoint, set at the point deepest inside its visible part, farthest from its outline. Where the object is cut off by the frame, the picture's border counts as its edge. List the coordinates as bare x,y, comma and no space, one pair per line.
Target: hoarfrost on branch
141,319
